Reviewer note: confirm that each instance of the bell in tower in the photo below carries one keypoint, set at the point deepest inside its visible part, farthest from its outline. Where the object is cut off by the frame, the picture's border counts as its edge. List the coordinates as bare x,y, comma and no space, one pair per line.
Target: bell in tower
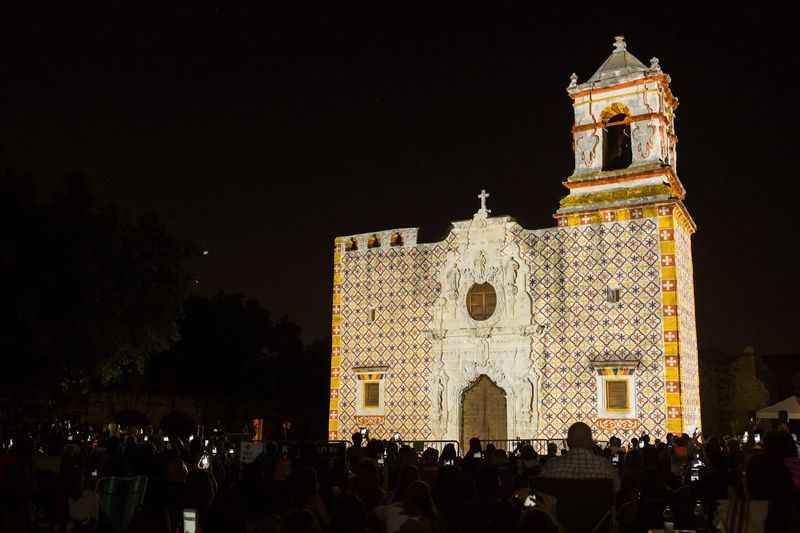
617,152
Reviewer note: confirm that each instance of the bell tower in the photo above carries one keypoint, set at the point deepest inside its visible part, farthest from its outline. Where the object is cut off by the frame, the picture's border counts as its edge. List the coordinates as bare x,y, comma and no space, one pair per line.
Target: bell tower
625,180
623,136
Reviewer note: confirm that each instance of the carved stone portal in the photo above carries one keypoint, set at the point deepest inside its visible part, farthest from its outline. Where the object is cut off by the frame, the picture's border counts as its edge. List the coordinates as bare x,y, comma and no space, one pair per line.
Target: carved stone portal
503,348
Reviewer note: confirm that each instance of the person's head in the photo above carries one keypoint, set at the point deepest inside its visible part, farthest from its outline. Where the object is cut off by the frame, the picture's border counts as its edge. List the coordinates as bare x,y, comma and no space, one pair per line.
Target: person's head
579,435
406,456
552,449
418,501
430,456
305,484
670,437
408,475
646,439
375,448
535,521
527,453
498,457
300,522
490,448
779,444
448,452
474,445
634,443
357,438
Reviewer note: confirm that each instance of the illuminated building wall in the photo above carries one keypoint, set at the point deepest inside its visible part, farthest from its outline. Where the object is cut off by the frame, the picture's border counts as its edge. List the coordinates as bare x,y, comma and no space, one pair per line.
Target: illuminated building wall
591,320
687,329
383,302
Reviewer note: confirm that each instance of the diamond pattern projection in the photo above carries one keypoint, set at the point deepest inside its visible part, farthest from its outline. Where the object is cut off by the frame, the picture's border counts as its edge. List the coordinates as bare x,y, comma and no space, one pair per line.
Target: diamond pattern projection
570,266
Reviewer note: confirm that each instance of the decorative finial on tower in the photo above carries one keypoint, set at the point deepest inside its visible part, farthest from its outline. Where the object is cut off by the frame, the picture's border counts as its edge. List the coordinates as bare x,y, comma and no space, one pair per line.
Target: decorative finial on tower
483,212
619,43
573,81
654,64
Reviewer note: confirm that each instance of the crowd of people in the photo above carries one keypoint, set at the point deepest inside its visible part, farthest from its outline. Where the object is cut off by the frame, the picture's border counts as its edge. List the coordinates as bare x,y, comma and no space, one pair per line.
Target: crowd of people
379,486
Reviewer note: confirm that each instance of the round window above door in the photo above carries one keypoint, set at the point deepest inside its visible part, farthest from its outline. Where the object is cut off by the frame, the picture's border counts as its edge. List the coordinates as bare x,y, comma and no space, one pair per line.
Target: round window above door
481,301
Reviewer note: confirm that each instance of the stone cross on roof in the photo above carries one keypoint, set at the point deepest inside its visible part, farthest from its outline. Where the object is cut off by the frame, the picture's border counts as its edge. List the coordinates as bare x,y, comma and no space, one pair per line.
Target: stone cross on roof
483,196
483,212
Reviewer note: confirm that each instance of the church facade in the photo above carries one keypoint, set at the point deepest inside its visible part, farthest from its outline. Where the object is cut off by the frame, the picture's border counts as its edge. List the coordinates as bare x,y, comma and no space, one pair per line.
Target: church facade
501,332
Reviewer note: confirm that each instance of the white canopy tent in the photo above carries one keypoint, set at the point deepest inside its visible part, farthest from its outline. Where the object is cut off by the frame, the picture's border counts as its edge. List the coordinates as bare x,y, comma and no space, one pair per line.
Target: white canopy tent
791,405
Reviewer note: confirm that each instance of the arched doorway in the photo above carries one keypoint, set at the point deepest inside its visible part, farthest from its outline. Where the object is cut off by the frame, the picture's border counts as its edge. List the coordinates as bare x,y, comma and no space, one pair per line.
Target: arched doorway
483,412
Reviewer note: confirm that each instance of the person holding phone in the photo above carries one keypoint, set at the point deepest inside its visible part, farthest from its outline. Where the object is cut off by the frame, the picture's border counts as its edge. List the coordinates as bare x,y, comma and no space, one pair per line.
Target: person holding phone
82,501
449,455
189,521
475,449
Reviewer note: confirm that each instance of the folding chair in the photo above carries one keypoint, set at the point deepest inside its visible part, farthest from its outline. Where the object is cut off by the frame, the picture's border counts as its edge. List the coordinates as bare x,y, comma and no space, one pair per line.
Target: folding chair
583,505
120,498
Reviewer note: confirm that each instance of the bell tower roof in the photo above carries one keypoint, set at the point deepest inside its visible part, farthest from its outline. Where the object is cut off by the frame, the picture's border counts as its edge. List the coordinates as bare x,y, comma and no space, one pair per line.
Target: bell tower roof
619,64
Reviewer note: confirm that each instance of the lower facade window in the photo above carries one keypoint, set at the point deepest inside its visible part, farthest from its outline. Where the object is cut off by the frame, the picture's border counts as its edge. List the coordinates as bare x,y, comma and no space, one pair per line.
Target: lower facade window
616,392
372,394
617,395
370,391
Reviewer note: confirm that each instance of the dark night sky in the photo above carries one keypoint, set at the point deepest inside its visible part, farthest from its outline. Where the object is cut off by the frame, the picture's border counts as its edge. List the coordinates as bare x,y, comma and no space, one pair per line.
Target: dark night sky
262,135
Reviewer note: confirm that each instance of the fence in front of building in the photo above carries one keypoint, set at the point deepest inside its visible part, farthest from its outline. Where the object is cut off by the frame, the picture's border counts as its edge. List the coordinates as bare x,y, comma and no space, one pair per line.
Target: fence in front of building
438,445
539,445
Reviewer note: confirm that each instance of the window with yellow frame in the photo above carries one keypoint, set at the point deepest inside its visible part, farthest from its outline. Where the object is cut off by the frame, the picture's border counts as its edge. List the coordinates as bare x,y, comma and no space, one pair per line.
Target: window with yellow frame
372,394
617,396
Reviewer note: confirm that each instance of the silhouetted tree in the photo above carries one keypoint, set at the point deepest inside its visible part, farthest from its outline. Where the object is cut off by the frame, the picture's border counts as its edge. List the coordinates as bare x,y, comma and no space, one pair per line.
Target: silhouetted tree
91,291
231,347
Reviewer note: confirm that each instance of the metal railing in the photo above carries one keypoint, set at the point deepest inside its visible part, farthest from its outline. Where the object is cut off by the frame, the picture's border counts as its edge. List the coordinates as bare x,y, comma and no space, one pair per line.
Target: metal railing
322,447
510,445
438,445
539,445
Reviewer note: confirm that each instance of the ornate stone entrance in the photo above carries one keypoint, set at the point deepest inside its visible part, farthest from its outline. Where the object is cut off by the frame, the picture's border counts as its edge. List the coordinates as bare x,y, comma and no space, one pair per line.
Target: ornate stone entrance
483,412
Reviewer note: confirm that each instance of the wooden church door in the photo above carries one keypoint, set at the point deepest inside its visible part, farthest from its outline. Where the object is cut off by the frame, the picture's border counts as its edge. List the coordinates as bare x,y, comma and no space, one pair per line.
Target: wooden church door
483,413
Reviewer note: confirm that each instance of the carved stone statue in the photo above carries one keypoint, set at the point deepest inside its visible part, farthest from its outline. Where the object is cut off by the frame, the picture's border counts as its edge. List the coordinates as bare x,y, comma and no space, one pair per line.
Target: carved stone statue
586,148
511,270
643,139
523,390
453,280
573,81
480,266
441,400
438,313
512,267
451,285
664,144
654,64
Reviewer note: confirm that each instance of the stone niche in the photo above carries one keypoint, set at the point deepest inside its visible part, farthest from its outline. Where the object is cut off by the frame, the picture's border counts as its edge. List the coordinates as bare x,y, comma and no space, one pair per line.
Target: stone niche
502,345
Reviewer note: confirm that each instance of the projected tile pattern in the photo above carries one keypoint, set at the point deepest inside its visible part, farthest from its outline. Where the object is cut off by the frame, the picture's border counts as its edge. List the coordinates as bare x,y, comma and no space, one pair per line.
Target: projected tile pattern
571,268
